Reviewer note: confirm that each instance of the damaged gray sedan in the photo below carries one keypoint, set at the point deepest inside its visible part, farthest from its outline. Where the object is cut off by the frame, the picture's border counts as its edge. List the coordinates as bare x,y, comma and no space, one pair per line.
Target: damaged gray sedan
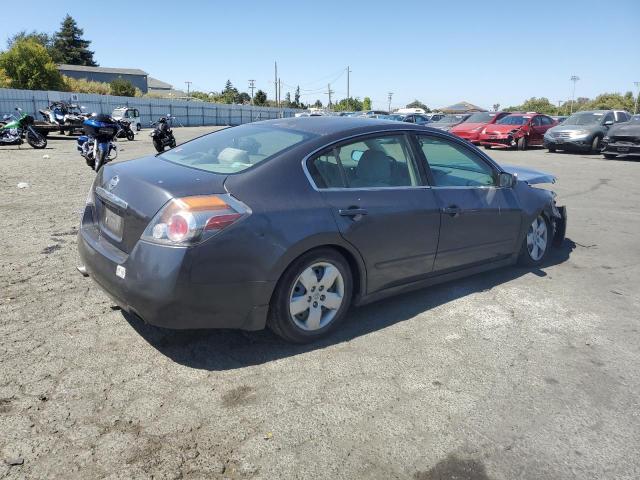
287,223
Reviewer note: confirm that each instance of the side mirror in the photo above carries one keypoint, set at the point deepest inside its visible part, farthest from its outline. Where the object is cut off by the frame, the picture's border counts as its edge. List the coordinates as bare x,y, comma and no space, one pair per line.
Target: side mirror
507,180
608,123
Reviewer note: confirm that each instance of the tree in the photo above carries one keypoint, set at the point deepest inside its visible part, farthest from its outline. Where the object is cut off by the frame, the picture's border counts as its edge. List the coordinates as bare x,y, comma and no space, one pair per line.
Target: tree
5,81
122,88
540,105
366,103
243,98
28,65
348,105
496,107
42,38
296,98
417,104
260,98
318,104
69,46
287,100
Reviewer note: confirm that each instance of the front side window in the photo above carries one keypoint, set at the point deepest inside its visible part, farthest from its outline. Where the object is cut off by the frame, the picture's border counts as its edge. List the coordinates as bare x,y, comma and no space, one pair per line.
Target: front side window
453,165
235,149
374,162
547,121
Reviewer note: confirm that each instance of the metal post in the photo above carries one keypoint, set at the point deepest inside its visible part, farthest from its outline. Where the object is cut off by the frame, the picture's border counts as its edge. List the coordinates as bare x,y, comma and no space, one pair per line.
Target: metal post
635,105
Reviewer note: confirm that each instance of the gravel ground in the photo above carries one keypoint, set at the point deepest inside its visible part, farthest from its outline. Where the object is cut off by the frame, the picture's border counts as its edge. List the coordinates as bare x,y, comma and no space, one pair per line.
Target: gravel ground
513,374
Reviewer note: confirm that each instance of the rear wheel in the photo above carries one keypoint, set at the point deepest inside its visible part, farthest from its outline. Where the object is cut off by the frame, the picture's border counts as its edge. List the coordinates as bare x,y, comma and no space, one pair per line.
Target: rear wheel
312,297
595,144
35,139
535,245
609,156
173,142
552,149
487,147
130,135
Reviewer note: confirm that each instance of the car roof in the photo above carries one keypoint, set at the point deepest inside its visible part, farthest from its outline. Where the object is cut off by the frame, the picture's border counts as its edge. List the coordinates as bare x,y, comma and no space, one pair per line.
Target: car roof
327,125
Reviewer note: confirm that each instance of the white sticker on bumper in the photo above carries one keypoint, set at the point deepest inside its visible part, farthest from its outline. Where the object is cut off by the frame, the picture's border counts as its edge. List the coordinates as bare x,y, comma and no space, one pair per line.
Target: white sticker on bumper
121,271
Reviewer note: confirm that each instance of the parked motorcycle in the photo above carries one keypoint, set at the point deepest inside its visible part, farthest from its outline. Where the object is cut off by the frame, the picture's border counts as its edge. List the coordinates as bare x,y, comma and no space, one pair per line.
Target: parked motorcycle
125,130
162,134
67,116
12,132
97,145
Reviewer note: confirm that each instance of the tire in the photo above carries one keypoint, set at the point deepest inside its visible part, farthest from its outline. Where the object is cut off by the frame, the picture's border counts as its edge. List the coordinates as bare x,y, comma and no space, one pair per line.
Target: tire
101,158
36,140
552,149
173,142
521,143
322,270
158,145
487,147
539,234
130,135
138,127
595,144
609,156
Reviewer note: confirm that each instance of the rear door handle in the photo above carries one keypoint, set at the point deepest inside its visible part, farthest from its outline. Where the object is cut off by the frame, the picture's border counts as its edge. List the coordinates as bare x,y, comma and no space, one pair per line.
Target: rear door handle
452,210
352,212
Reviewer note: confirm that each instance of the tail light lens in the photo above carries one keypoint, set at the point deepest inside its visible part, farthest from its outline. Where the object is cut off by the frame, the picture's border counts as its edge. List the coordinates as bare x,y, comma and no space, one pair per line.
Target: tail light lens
191,220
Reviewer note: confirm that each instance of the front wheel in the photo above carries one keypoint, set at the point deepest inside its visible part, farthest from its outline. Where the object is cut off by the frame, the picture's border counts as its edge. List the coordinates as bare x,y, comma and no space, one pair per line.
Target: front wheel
595,144
130,135
312,297
521,143
173,142
157,144
35,139
535,245
552,149
609,156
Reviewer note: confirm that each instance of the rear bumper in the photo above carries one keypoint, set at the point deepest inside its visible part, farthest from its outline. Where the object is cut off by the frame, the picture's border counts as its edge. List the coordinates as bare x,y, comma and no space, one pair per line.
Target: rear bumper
159,286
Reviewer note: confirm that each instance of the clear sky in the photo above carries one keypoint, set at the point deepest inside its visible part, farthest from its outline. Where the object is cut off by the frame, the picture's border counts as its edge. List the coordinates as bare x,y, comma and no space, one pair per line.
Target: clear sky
439,52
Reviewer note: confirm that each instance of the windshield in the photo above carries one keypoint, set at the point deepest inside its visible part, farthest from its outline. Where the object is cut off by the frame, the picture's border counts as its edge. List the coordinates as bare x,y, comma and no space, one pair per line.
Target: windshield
451,119
118,112
513,120
235,149
635,119
480,117
584,118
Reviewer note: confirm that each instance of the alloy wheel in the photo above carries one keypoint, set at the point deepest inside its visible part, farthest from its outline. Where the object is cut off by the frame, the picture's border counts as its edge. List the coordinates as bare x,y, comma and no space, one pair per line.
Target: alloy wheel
537,238
316,296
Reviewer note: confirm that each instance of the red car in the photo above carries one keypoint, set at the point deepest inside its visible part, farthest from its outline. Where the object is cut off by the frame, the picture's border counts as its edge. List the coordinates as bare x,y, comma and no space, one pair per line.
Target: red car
518,130
470,129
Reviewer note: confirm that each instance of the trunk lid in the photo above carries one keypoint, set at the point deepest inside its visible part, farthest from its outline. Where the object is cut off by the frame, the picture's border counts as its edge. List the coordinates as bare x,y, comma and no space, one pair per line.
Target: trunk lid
129,194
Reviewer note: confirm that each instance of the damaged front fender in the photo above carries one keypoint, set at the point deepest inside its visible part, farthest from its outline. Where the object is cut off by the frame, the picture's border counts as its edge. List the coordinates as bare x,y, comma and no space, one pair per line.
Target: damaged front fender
527,175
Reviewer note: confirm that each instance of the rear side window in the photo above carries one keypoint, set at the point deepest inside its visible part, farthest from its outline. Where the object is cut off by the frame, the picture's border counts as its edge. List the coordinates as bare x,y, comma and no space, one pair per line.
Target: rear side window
235,149
453,165
375,162
547,121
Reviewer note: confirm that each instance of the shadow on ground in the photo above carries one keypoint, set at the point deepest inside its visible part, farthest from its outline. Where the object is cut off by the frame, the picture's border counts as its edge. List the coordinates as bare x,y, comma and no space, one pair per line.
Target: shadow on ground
230,349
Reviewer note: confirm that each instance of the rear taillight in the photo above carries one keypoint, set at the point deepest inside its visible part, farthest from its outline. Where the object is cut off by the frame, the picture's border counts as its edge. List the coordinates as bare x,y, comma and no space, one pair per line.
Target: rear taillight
191,220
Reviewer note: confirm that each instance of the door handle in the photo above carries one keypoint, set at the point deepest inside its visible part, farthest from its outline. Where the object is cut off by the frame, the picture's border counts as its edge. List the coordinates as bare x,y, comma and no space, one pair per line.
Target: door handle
352,212
452,210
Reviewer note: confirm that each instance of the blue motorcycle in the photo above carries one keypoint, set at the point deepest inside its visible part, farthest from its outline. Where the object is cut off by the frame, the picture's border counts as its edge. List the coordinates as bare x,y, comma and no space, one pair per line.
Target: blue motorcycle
97,144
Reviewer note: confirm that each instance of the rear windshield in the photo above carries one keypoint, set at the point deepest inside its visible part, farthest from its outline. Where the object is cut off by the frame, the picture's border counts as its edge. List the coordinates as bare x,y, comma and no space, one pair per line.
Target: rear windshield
451,118
480,117
513,120
235,149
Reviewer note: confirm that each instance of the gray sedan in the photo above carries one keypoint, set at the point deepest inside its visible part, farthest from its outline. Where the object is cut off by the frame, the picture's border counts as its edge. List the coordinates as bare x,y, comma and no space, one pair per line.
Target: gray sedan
583,131
287,223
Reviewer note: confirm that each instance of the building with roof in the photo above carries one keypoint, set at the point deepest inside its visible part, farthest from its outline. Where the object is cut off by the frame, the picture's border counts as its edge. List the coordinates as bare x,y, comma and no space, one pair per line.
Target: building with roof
158,86
462,107
139,78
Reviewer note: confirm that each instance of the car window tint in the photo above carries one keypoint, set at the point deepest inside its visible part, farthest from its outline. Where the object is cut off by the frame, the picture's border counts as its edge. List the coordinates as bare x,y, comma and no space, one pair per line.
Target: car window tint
537,121
378,162
608,118
547,121
455,166
622,117
325,171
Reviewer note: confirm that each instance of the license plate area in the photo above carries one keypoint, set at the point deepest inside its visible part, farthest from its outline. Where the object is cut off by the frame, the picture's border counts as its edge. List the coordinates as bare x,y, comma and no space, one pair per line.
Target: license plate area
112,223
623,149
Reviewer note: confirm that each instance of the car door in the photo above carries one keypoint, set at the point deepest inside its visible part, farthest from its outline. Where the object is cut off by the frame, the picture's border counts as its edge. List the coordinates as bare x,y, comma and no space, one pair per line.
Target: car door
537,131
480,221
380,206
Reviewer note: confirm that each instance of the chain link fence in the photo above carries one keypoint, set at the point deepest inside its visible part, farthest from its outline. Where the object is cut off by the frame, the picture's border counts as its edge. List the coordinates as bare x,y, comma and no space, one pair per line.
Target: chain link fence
187,113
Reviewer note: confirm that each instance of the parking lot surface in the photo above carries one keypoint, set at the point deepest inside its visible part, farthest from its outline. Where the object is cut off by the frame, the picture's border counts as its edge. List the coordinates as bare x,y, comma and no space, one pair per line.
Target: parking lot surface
512,374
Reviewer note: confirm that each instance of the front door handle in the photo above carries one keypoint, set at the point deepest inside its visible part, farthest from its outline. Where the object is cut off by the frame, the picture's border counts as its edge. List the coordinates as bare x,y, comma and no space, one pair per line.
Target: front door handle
352,212
452,210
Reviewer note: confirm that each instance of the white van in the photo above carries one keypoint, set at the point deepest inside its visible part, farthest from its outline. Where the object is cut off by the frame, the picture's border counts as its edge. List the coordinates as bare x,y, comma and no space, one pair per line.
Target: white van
131,115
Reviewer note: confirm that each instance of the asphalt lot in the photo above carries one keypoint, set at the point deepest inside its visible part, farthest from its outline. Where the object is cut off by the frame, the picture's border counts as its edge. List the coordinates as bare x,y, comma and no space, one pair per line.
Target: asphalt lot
513,374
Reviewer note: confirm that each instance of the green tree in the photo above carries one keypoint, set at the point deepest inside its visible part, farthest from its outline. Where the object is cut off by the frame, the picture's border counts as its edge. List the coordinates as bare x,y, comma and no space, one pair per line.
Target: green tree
611,101
318,104
348,105
296,98
417,104
260,98
122,88
5,81
366,103
69,46
28,65
42,38
540,105
205,97
243,98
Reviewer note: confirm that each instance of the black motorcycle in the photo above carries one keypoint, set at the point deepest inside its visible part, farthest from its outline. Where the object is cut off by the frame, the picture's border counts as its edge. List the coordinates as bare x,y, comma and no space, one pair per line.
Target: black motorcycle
125,130
162,134
15,128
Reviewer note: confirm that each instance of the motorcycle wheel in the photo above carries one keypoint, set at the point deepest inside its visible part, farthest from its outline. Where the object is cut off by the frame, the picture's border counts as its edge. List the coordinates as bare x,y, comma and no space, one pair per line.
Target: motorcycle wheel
101,157
35,139
158,145
173,142
130,135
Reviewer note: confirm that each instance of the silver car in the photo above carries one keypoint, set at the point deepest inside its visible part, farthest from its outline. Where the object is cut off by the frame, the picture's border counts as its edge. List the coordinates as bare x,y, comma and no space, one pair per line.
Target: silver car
583,131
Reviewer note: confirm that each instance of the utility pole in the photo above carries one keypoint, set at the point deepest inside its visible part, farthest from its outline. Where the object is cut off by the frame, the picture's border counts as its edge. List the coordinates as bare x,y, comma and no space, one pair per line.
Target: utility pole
559,103
279,92
329,92
275,82
390,94
252,86
348,72
574,79
635,105
188,89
